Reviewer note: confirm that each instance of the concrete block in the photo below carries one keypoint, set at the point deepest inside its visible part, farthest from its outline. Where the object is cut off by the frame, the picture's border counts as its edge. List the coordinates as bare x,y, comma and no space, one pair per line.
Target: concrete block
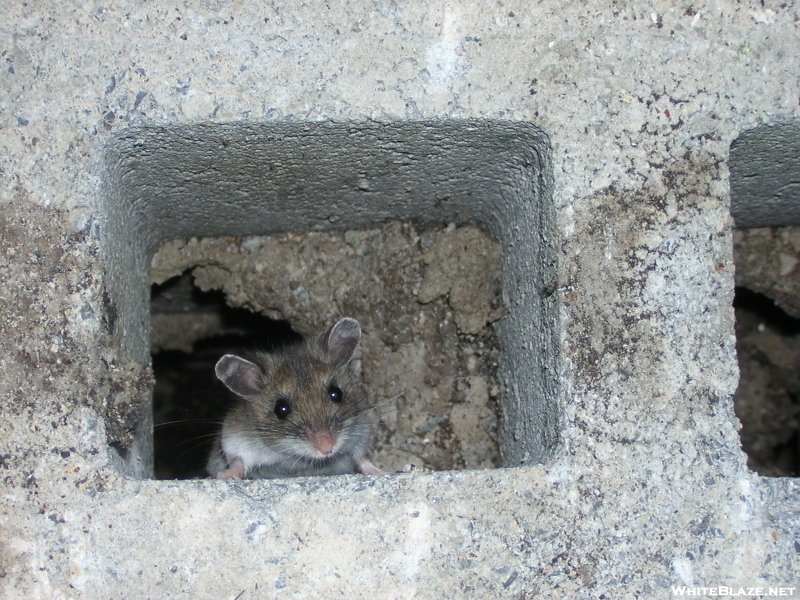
592,142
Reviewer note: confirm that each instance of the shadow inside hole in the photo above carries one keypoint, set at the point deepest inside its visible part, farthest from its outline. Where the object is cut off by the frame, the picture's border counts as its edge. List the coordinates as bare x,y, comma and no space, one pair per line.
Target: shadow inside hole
767,400
189,402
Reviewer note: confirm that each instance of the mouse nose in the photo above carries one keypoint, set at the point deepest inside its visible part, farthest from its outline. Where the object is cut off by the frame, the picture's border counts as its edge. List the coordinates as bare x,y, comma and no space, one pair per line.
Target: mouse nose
322,441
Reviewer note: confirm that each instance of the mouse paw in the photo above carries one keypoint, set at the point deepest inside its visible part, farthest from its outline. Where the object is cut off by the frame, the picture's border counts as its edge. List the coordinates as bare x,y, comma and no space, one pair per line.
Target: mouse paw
235,471
366,467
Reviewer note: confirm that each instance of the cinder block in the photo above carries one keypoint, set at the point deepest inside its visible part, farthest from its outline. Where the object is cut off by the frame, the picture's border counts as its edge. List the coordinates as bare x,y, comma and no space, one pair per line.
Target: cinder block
596,144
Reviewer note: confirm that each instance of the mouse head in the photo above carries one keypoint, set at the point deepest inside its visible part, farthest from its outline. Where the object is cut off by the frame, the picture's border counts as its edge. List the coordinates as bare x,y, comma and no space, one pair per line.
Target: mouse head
302,396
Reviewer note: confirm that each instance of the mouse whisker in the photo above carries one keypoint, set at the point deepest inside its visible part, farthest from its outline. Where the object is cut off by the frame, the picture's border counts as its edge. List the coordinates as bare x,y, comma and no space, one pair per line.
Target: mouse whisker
204,441
385,402
177,422
388,381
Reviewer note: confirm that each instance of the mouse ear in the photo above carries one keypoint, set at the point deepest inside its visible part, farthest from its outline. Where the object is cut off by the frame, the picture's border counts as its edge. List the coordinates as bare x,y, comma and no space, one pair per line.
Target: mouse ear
340,341
239,375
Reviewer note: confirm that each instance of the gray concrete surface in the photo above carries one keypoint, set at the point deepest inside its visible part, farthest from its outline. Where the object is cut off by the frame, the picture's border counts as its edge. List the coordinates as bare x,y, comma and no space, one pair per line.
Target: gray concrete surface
638,104
765,176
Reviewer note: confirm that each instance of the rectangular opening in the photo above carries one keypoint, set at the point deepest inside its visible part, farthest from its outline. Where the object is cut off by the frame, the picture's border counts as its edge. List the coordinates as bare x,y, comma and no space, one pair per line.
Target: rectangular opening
765,199
426,365
177,183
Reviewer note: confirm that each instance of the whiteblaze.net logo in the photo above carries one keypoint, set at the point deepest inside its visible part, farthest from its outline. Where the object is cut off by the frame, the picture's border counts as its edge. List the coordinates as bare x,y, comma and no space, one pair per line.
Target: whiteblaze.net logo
733,592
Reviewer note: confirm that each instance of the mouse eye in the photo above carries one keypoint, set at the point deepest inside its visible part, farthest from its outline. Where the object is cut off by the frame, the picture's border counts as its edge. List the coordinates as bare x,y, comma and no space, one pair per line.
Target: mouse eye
334,393
283,408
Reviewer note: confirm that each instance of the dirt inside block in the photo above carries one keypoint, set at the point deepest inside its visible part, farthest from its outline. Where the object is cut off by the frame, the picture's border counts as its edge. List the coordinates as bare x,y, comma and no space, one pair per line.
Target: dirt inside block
767,400
767,305
426,302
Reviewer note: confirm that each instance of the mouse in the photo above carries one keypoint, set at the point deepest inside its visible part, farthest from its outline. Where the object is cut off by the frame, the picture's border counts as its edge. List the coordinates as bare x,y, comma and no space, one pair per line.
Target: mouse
297,411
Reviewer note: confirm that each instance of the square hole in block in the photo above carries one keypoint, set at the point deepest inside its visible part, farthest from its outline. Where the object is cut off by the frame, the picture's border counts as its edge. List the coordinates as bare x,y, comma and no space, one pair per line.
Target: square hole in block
765,199
426,303
238,183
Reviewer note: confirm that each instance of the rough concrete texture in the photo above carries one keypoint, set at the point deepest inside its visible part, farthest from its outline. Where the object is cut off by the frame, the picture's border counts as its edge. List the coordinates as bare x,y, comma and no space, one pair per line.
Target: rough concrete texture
427,359
647,488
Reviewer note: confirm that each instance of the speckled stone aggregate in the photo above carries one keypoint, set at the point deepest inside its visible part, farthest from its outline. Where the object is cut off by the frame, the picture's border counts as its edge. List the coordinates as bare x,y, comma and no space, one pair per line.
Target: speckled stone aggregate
648,489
